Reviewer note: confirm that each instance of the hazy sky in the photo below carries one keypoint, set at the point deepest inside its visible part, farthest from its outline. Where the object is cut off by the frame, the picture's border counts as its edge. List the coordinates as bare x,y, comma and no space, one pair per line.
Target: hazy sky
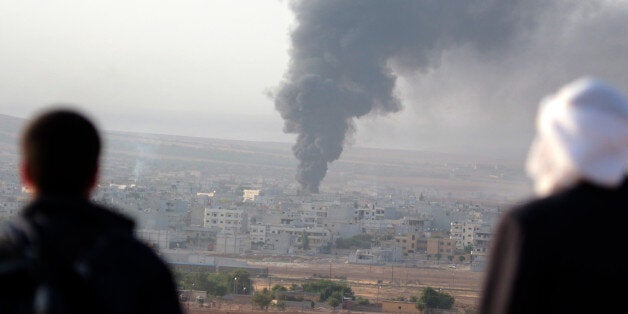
206,68
161,66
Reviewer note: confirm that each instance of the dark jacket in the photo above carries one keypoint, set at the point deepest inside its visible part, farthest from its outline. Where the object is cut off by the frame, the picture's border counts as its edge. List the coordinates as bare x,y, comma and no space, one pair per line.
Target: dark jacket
125,276
561,254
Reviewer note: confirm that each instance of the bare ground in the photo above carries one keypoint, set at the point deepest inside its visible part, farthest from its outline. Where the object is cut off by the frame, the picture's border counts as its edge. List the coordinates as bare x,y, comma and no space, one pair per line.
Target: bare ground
395,281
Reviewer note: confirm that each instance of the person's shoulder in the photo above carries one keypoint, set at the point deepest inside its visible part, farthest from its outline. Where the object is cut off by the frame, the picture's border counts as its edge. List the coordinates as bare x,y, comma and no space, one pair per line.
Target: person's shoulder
112,218
13,236
7,243
561,205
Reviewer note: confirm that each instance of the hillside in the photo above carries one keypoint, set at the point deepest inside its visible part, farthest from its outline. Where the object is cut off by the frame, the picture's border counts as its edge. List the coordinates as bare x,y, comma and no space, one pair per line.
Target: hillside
467,176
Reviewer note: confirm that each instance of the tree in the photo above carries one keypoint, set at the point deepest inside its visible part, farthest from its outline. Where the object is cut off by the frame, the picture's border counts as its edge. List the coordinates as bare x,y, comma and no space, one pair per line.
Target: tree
461,258
278,287
305,241
281,305
468,248
242,283
334,299
333,302
432,299
327,288
362,301
262,298
217,284
360,241
438,257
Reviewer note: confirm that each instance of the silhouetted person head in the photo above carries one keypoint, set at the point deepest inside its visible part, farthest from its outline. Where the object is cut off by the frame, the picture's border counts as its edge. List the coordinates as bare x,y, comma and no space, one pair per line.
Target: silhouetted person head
60,153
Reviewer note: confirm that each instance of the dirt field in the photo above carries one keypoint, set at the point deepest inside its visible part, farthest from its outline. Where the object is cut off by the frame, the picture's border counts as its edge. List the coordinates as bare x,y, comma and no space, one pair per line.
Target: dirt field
395,281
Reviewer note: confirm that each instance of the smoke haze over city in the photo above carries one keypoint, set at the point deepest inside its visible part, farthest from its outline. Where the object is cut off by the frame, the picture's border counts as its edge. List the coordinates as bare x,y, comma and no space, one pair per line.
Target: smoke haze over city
434,75
346,57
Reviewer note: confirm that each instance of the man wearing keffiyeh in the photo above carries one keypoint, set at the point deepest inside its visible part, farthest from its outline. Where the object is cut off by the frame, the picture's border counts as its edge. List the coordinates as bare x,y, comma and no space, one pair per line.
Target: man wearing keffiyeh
560,253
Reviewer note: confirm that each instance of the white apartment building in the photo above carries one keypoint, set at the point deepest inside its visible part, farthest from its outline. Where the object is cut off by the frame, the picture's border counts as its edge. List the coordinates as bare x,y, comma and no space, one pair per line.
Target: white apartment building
369,213
481,240
312,217
317,237
259,233
469,233
414,224
250,195
225,219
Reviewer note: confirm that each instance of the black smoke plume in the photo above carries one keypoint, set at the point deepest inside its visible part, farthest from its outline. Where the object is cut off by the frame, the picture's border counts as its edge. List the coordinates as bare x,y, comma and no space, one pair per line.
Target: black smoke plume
343,54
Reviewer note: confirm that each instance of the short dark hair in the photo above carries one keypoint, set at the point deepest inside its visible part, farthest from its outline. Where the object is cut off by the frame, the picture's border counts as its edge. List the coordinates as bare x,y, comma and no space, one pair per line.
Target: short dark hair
61,148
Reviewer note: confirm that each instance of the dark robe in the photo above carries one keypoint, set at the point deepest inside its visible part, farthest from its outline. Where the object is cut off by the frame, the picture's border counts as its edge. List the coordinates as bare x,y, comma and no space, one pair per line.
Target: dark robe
561,254
125,275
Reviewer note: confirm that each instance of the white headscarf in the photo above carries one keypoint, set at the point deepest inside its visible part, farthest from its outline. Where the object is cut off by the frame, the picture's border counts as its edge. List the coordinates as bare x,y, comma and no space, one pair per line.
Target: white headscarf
582,135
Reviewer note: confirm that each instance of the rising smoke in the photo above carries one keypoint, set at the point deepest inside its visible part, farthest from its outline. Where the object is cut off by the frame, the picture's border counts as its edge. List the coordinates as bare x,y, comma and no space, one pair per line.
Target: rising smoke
344,52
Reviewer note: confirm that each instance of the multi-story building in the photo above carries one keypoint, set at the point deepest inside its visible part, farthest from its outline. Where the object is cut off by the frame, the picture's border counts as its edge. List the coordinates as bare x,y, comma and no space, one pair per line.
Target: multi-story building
313,217
442,246
233,220
316,237
481,240
259,233
463,232
414,224
411,243
369,213
470,233
250,195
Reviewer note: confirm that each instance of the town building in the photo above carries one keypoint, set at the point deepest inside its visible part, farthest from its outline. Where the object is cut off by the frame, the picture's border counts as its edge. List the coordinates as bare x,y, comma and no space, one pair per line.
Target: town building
233,220
441,246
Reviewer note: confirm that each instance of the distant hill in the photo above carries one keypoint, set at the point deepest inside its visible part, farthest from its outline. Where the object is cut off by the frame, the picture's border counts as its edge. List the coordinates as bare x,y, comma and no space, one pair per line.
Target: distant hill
10,128
8,123
414,169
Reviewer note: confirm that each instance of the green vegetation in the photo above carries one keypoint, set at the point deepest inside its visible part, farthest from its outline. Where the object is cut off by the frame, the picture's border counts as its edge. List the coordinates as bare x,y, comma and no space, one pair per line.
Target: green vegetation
468,248
217,284
262,299
362,301
279,288
432,299
281,305
360,241
334,299
305,241
329,290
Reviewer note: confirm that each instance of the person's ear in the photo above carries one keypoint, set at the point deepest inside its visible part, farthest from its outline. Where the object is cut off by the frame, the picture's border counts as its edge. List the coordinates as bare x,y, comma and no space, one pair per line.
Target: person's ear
27,177
92,182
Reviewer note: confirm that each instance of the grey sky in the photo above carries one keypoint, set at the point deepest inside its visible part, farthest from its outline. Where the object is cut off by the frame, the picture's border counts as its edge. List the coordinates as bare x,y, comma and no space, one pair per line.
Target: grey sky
204,68
158,66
